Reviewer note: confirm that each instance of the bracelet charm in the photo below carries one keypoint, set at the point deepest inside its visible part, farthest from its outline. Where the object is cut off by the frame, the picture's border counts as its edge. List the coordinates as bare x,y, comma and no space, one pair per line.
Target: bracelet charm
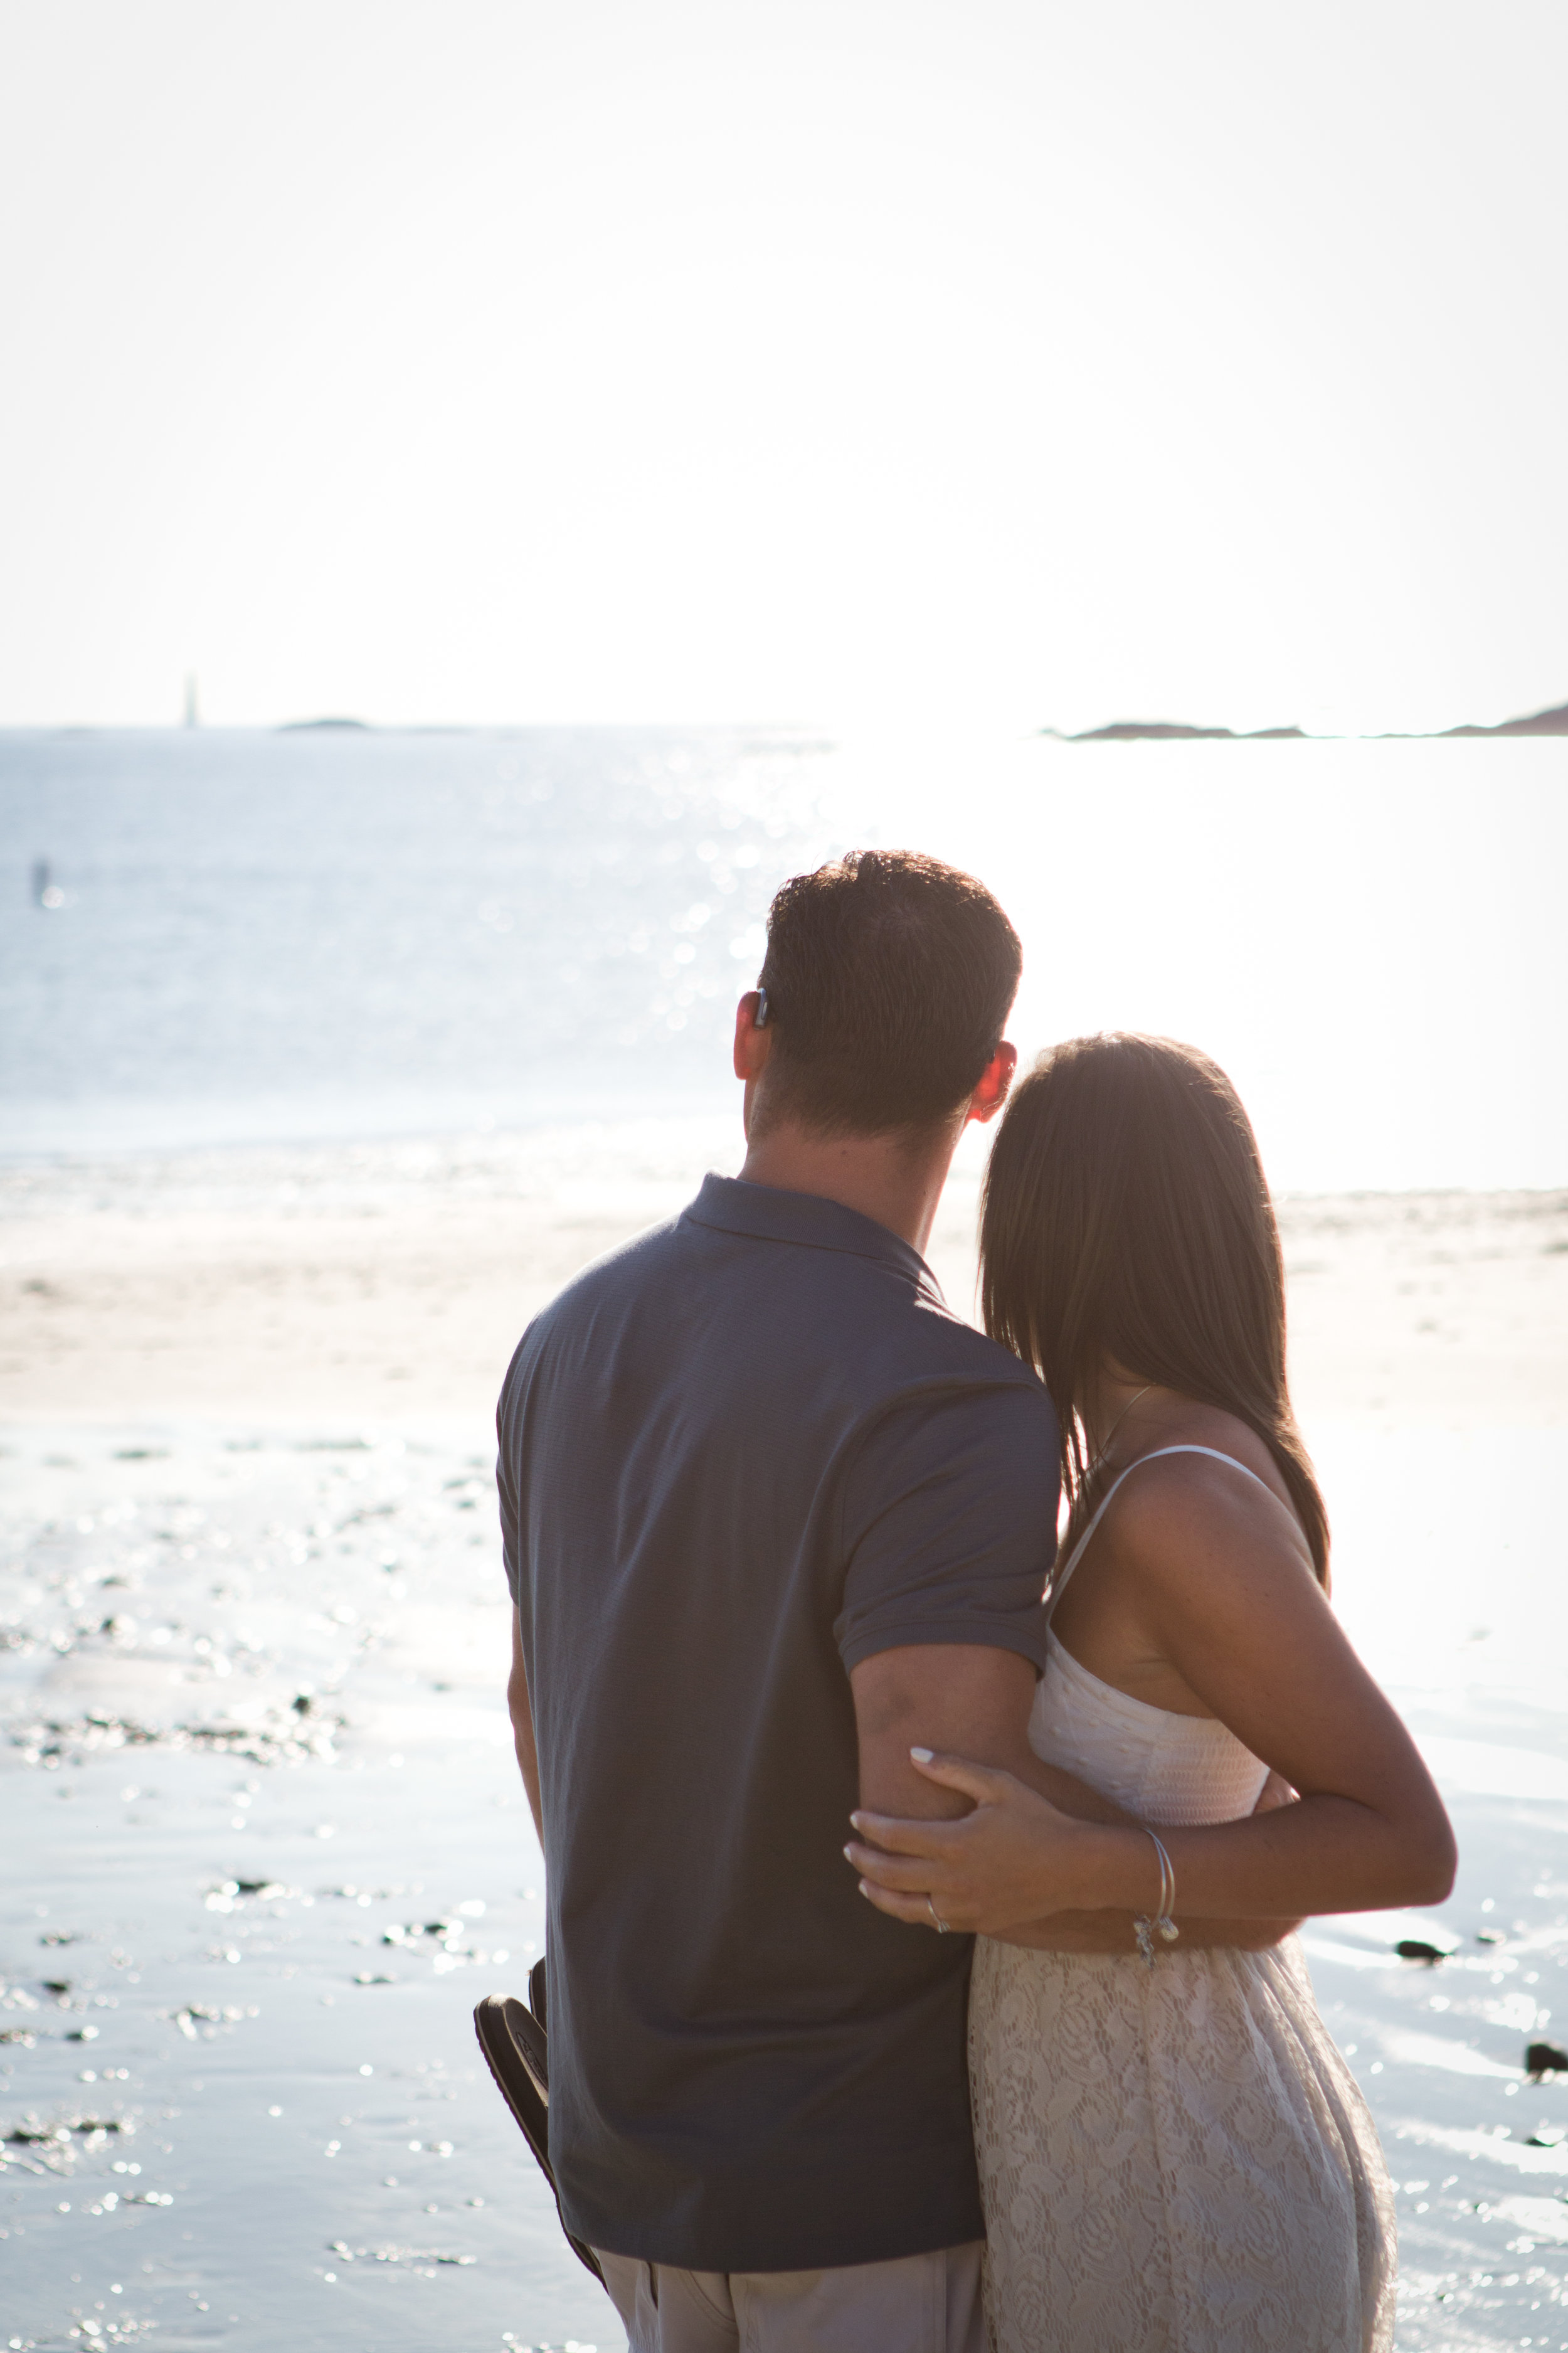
1162,1925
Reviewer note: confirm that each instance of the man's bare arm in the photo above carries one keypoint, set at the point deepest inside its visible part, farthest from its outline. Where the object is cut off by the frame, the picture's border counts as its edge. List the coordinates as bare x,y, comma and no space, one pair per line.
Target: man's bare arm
521,1709
909,1696
916,1694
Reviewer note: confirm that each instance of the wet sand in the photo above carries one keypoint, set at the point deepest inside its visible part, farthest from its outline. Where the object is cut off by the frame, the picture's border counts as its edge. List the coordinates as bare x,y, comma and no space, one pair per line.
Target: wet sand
266,1847
264,1838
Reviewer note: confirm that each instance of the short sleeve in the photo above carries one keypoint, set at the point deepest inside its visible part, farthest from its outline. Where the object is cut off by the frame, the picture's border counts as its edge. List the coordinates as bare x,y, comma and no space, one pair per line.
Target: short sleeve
949,1522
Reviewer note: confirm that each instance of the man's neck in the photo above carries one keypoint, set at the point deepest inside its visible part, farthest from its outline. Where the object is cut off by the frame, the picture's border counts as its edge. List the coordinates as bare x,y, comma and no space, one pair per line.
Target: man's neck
897,1182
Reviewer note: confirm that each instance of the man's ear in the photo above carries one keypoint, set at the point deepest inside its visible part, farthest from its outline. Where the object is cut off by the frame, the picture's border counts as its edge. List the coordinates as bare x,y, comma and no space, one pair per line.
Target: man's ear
752,1046
994,1080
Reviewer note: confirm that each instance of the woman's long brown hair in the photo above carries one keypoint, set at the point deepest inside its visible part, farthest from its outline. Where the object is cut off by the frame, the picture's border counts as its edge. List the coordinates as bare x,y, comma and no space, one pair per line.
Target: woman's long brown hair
1126,1215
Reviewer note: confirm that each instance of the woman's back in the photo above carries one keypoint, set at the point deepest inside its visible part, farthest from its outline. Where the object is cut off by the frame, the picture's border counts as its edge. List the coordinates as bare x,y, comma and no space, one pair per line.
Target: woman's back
1162,1766
1165,1768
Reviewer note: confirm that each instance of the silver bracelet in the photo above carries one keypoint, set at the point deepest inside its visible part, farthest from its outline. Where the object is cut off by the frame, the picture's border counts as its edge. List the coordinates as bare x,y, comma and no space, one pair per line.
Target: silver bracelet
1146,1929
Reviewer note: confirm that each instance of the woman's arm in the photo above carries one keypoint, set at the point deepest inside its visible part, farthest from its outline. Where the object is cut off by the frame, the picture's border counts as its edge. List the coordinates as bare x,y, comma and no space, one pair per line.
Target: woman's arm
963,1693
1232,1604
1112,1932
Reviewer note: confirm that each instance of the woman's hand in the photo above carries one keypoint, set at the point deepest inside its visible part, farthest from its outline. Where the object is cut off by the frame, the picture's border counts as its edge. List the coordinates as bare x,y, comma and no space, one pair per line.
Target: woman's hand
1014,1858
1019,1868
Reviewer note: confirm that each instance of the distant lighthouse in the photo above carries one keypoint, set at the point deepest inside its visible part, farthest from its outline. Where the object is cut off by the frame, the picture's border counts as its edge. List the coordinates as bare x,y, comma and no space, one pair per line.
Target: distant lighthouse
193,705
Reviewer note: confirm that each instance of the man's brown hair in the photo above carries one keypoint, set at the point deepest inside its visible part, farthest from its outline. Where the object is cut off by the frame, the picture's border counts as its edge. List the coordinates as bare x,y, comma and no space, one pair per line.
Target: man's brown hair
889,976
1126,1215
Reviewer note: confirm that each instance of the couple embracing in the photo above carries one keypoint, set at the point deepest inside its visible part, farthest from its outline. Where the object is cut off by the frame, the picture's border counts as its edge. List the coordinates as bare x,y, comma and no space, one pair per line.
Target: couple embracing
921,1898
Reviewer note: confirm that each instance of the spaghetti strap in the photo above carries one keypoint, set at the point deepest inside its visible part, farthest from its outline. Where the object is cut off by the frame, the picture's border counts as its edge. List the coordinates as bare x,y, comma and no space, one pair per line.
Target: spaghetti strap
1059,1584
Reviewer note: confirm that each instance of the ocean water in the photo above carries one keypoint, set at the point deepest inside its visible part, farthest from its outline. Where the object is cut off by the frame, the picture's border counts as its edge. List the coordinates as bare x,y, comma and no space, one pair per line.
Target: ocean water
208,937
240,1937
308,934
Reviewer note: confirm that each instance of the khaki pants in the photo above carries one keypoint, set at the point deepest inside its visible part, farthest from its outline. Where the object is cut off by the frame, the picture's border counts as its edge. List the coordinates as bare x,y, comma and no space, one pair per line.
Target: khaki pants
920,2303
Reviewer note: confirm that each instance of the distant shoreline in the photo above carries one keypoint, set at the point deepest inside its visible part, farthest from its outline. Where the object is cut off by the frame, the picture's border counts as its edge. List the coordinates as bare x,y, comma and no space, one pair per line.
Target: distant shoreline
1539,723
1168,730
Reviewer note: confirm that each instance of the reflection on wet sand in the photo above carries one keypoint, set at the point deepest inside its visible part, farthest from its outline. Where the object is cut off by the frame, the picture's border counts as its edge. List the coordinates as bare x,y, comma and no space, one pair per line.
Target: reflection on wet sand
267,1851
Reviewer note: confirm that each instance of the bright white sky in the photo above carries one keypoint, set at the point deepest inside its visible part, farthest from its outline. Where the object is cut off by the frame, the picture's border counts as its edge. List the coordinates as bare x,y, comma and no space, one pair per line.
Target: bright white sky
463,360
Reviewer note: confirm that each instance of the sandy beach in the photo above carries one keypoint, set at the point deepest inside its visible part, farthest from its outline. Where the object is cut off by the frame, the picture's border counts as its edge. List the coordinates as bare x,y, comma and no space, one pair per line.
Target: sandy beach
266,1843
390,1283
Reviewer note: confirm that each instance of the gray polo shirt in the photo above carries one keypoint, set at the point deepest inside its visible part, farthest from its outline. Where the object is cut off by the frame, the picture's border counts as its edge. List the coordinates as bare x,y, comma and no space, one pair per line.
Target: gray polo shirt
738,1456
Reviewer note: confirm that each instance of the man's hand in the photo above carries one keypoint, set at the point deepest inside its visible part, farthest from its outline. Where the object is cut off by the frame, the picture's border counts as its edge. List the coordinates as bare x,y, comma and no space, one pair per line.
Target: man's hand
1275,1792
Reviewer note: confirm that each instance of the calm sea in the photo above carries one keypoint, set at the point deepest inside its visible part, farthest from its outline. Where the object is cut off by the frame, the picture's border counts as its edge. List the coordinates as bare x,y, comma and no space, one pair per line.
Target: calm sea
223,935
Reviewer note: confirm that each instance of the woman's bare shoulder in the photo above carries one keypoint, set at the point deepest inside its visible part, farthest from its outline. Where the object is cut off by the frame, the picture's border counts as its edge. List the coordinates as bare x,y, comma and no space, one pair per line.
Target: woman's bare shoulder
1173,1496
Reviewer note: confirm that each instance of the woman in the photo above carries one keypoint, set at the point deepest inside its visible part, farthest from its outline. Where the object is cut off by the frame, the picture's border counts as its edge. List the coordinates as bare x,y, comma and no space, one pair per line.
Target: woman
1172,2153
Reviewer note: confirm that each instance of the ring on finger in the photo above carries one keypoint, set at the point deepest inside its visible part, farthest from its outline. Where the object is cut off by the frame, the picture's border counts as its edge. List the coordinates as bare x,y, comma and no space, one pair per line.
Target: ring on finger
940,1925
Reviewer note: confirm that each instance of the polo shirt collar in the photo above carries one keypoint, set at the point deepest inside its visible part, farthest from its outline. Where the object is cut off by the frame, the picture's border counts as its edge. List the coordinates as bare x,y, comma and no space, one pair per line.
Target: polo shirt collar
737,1207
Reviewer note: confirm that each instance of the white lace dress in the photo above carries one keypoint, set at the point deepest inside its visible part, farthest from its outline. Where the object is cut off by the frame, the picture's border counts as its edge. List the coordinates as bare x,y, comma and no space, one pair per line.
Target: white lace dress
1174,2160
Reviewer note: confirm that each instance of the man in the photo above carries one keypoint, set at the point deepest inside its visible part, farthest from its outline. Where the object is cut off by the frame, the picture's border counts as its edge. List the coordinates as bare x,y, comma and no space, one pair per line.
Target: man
771,1514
